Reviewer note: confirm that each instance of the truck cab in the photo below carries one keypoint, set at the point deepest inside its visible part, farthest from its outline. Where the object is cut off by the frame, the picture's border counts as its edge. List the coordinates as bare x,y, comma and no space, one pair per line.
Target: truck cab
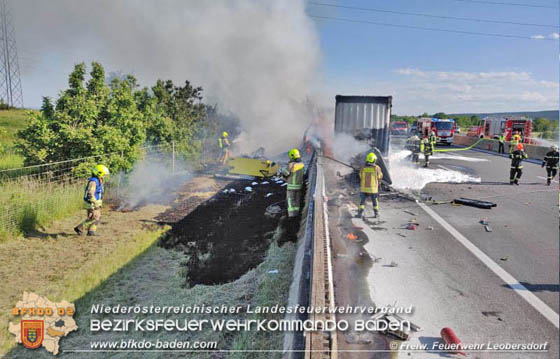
444,129
399,128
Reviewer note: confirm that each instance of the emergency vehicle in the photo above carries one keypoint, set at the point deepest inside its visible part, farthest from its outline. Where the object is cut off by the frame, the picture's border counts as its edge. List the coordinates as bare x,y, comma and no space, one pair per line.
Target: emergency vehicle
493,127
443,128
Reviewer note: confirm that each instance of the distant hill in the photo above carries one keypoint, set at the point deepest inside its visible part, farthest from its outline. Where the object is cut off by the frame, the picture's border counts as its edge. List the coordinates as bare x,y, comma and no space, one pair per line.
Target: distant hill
549,115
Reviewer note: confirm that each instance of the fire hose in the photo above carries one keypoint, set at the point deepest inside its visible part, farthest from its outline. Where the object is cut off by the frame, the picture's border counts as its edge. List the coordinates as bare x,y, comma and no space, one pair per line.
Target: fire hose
461,149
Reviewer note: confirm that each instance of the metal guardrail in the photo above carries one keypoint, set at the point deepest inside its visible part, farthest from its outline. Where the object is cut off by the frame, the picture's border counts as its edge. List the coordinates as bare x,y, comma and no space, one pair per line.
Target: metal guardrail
312,284
321,344
294,342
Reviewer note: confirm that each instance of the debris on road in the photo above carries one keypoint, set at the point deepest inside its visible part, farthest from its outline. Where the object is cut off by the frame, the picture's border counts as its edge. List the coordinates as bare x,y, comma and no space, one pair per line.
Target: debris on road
402,235
393,264
484,221
395,321
474,203
411,213
504,259
430,228
273,271
488,228
451,339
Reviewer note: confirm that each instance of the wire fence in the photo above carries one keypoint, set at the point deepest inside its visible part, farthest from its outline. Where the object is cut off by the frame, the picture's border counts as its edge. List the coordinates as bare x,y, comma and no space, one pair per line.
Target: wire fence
34,194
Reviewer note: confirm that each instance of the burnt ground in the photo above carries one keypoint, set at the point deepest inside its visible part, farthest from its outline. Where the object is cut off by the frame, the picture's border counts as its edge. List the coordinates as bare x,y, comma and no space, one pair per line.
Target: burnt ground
230,234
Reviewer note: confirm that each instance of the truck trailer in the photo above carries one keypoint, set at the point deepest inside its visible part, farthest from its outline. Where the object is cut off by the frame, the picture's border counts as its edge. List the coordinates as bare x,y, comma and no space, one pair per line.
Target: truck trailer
367,118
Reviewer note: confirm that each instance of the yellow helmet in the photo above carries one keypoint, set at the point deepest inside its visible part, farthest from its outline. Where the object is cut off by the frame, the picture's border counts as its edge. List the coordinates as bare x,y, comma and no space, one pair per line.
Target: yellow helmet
294,154
224,134
100,171
371,157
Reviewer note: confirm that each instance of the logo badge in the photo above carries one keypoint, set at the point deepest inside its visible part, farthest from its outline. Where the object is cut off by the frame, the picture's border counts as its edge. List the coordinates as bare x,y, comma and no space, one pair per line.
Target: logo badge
32,333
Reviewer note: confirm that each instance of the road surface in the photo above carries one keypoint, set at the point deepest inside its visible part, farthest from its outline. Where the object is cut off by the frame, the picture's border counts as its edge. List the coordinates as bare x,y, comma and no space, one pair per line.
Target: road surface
452,271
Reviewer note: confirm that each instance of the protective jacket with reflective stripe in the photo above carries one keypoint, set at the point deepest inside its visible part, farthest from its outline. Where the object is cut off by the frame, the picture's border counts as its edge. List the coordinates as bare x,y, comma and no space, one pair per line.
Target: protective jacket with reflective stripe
370,175
551,159
517,157
295,176
98,194
223,142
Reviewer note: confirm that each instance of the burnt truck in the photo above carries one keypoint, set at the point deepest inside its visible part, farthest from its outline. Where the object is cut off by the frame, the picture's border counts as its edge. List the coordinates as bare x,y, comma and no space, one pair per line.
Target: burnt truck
366,118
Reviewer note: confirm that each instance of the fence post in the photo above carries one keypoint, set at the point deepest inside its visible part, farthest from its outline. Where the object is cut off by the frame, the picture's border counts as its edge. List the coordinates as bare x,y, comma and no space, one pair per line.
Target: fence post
173,156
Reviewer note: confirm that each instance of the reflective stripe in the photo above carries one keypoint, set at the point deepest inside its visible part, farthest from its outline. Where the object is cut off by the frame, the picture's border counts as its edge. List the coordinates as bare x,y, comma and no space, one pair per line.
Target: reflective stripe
369,176
295,178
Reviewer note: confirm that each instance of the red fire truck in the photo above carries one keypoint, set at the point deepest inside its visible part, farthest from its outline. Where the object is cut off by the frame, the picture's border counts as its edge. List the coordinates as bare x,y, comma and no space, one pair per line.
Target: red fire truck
492,127
444,128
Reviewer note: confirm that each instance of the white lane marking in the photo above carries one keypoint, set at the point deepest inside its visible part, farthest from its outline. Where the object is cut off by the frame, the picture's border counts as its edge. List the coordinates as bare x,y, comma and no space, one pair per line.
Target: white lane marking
544,178
445,168
519,288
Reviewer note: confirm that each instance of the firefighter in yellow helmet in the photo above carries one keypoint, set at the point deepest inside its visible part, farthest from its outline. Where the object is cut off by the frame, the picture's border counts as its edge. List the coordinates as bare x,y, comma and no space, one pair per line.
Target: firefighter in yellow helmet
370,175
427,149
515,140
294,177
223,143
93,196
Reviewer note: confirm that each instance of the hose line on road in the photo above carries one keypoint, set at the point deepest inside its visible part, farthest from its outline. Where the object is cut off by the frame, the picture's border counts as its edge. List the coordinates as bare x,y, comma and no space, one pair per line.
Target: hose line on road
461,149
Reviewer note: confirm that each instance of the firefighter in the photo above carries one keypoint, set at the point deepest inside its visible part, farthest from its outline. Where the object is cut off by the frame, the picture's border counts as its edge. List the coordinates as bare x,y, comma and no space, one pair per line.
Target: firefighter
93,196
370,175
223,143
427,149
551,162
515,139
433,139
413,145
516,171
501,141
294,177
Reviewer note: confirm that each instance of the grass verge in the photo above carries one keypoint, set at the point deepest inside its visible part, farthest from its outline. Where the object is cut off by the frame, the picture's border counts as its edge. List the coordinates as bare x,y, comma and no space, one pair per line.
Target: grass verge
157,278
28,205
65,277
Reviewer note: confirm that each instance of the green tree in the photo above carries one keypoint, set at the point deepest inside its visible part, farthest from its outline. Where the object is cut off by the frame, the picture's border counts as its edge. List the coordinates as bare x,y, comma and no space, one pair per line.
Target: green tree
89,119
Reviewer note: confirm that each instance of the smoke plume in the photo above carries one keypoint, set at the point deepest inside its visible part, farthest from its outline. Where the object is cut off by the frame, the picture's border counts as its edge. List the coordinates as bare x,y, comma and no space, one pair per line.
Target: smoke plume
256,59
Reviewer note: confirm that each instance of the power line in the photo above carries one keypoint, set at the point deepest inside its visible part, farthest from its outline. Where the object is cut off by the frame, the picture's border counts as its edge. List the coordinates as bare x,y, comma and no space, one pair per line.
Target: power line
428,28
509,4
431,16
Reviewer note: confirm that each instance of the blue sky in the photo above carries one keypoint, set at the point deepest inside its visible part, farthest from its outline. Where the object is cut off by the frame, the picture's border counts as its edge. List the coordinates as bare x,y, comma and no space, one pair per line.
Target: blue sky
425,71
433,70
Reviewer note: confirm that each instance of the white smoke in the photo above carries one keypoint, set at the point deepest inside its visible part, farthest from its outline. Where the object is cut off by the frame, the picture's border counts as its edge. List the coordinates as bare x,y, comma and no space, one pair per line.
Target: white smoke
345,147
153,179
408,176
256,59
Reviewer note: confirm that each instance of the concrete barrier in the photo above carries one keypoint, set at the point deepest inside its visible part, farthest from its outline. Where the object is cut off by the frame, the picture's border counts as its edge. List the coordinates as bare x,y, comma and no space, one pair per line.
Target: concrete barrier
533,151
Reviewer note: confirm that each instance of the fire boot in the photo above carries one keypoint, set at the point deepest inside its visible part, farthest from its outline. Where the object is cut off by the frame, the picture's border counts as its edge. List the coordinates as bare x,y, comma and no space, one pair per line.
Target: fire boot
78,230
375,213
92,234
360,213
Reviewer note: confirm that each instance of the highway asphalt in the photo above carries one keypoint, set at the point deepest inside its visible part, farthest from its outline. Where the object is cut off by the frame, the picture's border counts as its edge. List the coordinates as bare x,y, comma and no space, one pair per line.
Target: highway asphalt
454,273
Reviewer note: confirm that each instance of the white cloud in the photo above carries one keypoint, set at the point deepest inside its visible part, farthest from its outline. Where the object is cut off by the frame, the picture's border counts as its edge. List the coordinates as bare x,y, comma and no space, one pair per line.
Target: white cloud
460,91
552,36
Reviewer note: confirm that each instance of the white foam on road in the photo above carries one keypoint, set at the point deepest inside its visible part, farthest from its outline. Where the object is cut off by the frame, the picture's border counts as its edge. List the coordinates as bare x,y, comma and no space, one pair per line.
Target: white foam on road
439,156
408,176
